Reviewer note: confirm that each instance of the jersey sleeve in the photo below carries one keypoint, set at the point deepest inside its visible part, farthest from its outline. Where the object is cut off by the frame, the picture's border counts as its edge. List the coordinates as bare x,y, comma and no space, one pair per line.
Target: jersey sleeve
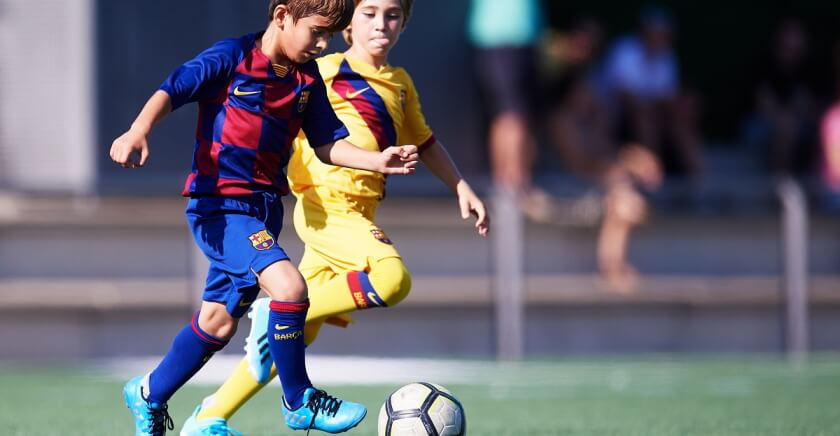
320,123
202,76
415,131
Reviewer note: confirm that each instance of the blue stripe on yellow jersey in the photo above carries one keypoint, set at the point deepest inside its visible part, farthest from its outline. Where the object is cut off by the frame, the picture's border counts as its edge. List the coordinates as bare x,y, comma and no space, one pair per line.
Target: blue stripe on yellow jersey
369,105
379,106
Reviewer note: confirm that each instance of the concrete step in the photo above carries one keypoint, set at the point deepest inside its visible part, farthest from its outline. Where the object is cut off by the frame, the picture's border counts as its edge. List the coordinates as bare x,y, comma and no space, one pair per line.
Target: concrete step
428,291
147,237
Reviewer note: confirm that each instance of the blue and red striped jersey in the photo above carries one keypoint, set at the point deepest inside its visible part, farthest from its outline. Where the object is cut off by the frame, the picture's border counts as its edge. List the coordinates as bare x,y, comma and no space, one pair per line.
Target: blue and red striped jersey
249,112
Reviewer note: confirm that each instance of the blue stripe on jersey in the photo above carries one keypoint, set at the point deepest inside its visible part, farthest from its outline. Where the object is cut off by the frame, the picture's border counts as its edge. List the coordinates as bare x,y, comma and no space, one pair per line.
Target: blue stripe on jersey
204,184
239,162
275,136
208,114
384,120
246,93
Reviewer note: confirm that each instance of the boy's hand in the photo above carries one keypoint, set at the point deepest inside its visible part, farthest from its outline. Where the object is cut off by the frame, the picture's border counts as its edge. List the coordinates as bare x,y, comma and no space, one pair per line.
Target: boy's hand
126,149
470,204
399,159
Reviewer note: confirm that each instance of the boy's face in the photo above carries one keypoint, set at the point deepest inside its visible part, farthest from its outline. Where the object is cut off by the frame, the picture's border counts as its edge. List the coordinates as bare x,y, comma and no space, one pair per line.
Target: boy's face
377,25
305,39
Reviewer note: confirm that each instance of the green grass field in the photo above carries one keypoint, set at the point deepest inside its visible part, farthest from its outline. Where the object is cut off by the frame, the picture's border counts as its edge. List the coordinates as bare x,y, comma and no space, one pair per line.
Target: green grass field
646,396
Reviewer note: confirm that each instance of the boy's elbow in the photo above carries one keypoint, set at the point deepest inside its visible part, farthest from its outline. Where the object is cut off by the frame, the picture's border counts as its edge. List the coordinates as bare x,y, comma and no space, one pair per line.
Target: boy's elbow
324,153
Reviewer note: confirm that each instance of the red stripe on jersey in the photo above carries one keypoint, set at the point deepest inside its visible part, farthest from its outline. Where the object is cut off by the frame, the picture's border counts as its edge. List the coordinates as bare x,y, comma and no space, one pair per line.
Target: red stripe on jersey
206,158
254,64
187,184
227,186
239,128
266,167
281,96
233,187
365,109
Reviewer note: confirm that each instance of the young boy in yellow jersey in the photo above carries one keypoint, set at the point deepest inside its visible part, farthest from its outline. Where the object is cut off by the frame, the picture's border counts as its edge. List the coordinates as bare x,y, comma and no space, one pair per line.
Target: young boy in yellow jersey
349,263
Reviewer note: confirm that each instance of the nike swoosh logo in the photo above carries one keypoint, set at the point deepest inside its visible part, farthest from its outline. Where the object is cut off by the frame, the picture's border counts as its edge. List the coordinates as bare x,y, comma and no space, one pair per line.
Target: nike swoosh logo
239,93
281,327
351,95
243,303
373,297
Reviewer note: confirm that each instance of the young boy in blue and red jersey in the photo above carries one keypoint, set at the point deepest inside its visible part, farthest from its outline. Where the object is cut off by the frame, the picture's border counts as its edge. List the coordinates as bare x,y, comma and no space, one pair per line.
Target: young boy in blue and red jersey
255,93
349,263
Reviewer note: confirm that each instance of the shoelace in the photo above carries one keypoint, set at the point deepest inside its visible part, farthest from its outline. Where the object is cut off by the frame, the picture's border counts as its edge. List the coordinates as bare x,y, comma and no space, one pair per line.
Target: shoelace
321,401
161,421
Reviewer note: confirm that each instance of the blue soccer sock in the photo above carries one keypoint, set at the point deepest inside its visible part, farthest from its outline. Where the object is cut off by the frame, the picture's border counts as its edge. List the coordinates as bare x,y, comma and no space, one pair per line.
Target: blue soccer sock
285,340
190,350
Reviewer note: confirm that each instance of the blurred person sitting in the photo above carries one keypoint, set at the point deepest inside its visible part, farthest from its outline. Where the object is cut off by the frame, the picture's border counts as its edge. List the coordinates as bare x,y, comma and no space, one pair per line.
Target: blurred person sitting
504,34
578,128
783,130
640,83
830,158
634,171
577,121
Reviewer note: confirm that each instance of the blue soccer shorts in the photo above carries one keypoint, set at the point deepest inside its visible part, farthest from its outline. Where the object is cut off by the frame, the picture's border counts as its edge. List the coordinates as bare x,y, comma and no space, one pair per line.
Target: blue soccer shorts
238,235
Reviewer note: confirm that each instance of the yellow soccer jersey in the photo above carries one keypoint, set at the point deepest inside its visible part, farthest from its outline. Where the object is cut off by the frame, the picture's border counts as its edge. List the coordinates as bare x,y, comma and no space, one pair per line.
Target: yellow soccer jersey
380,108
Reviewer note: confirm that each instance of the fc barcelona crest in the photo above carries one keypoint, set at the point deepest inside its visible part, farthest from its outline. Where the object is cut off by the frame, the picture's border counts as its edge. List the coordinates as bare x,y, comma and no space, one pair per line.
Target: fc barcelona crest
380,236
304,98
262,240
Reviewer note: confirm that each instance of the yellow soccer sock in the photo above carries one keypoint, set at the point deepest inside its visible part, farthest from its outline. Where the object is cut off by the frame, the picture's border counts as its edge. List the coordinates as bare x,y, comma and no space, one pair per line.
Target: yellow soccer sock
330,298
387,283
311,330
235,392
391,279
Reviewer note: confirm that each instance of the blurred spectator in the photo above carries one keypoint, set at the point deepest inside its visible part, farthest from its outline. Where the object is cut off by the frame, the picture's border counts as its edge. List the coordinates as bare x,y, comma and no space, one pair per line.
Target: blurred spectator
830,132
640,81
579,129
577,121
634,171
830,140
504,34
783,129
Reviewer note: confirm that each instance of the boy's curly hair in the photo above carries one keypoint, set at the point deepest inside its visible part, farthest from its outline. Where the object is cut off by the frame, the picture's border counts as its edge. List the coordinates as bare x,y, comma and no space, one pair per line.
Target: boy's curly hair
338,12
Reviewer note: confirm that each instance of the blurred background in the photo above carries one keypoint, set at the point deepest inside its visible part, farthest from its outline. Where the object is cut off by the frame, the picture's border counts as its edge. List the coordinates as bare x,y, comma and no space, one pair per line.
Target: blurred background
664,179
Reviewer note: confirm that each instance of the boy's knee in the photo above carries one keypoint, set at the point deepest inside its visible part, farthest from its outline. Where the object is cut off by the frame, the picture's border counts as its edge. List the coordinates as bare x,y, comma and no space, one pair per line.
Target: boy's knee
391,280
215,320
283,282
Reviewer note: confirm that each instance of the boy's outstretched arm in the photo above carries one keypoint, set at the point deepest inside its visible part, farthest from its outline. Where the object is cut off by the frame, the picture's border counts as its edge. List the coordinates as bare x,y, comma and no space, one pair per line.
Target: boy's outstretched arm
437,159
392,160
131,149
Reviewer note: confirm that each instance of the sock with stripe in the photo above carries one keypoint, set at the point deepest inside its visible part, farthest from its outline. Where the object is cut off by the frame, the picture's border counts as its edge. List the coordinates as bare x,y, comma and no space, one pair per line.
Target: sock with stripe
387,283
190,350
241,385
285,340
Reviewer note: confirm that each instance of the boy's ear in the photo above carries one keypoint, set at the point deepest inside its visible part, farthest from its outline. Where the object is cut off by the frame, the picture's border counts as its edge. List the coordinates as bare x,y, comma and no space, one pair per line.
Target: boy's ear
347,35
280,14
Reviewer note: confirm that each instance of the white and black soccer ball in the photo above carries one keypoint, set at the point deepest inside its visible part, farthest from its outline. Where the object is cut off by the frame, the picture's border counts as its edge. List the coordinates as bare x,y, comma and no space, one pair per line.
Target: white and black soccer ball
422,409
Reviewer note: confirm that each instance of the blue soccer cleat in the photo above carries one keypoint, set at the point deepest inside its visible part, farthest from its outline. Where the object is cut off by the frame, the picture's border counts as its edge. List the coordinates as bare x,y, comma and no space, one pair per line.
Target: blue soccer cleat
150,419
321,411
257,352
207,427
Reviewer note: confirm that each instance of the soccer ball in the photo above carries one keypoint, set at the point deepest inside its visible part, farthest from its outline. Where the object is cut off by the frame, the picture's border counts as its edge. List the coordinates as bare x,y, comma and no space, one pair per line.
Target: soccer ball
422,409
